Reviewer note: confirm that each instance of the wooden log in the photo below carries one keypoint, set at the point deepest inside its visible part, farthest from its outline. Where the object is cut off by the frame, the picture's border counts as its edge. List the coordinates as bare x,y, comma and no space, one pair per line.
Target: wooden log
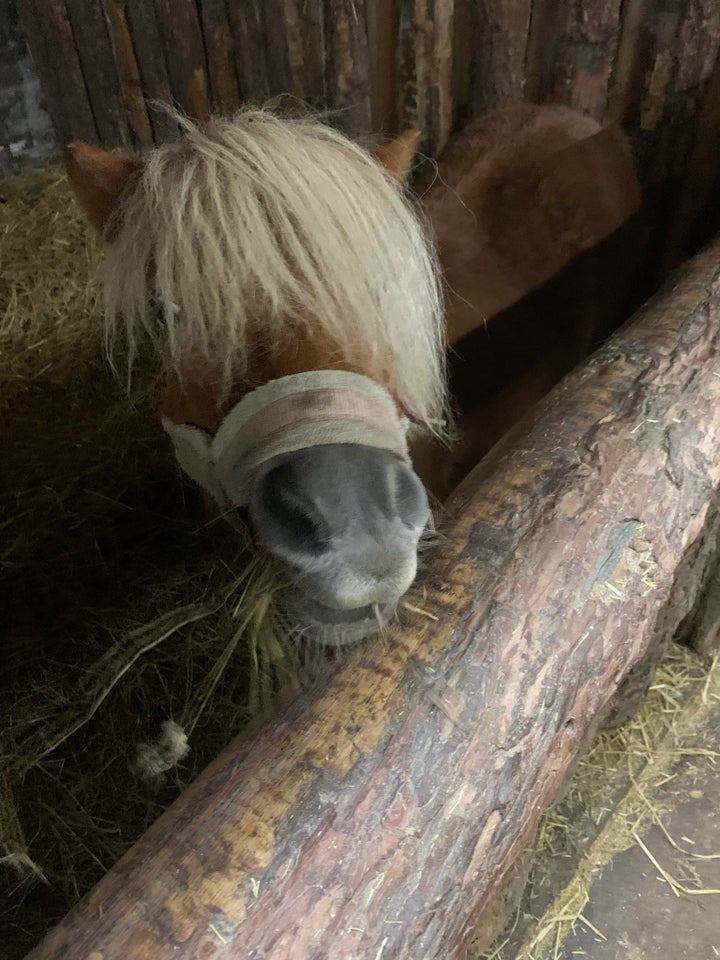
304,36
498,55
221,65
380,815
150,56
52,46
695,215
347,64
97,61
571,49
668,52
128,71
426,73
249,49
383,23
185,55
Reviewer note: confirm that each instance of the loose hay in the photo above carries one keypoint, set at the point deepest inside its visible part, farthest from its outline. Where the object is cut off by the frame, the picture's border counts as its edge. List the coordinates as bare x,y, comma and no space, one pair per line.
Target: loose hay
127,619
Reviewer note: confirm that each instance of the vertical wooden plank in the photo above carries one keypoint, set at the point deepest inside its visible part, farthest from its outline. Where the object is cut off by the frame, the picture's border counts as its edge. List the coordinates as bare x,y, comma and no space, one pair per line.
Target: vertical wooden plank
571,50
464,42
667,55
150,57
275,43
426,48
543,32
500,33
695,54
304,35
383,23
52,45
128,71
669,163
347,64
696,214
249,49
218,48
184,55
97,61
633,56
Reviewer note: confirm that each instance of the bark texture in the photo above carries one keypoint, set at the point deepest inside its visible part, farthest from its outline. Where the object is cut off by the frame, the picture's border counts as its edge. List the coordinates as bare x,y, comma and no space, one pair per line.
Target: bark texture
426,70
381,815
571,50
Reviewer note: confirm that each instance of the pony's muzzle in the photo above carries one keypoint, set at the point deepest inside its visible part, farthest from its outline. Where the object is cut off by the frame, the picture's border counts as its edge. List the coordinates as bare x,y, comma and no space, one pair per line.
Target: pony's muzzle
346,519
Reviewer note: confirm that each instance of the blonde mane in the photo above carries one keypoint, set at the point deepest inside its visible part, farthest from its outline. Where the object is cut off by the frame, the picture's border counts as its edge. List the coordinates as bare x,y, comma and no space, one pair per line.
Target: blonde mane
260,227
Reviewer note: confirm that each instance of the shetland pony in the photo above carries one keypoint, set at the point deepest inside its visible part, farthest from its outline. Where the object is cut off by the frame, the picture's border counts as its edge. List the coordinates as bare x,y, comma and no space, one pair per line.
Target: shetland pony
293,295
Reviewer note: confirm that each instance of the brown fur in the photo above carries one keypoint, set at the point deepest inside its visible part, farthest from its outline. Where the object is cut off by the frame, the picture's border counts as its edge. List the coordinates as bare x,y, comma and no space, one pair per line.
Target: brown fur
520,193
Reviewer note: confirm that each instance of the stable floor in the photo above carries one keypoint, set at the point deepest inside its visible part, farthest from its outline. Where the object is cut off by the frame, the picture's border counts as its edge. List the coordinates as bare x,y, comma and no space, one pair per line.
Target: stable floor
639,909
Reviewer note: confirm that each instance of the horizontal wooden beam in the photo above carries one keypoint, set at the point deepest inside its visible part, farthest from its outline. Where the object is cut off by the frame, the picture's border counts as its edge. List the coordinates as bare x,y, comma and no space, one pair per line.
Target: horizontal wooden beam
382,813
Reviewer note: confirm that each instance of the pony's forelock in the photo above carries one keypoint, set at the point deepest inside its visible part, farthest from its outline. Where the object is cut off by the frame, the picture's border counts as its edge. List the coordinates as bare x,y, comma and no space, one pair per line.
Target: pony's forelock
257,225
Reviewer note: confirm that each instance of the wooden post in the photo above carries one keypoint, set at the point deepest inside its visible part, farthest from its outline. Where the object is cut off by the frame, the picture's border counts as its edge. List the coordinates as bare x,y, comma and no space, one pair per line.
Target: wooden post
304,33
500,32
571,49
426,70
128,71
52,46
347,64
382,813
221,66
97,61
249,50
185,55
663,93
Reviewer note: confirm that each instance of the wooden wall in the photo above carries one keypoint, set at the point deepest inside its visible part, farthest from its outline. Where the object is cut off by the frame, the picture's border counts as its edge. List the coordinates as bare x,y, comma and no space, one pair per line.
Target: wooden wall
389,64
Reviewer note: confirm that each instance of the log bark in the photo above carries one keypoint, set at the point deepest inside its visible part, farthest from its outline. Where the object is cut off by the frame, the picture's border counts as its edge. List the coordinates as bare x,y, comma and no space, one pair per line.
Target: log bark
97,61
148,47
383,23
571,50
185,55
245,18
498,56
304,32
52,46
426,70
128,71
347,64
663,93
221,66
381,814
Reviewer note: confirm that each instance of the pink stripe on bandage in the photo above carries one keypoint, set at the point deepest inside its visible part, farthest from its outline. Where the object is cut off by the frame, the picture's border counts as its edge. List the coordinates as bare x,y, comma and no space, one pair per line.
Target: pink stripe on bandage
314,406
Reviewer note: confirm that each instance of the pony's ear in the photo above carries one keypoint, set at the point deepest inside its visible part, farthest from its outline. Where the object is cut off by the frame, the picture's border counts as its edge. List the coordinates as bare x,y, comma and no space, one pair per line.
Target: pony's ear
397,156
98,179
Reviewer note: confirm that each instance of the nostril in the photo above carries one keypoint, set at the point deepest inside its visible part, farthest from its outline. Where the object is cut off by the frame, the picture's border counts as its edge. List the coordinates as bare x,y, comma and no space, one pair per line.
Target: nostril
411,500
285,519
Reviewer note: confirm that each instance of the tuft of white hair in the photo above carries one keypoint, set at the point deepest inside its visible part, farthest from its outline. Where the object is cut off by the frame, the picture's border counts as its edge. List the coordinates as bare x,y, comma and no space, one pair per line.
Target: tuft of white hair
260,229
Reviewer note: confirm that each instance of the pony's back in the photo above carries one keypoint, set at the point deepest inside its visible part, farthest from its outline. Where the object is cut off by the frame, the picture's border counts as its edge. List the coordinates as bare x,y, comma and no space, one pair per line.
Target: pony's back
526,209
519,194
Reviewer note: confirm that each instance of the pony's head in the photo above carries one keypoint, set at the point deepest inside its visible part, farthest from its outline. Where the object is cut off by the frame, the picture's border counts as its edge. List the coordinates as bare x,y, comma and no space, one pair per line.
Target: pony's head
292,294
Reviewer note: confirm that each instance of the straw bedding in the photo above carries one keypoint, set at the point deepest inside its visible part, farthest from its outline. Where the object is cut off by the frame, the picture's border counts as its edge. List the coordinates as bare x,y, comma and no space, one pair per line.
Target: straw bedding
123,612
